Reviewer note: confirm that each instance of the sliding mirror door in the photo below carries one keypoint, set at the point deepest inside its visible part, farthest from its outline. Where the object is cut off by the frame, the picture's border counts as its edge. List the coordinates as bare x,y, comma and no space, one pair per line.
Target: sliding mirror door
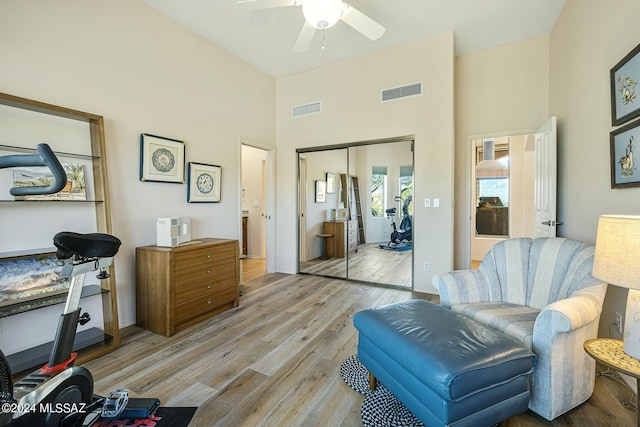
356,212
381,198
322,248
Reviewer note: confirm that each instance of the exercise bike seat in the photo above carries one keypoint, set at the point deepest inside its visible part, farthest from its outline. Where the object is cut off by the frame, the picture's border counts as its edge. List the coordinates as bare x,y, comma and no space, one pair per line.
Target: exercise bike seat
90,245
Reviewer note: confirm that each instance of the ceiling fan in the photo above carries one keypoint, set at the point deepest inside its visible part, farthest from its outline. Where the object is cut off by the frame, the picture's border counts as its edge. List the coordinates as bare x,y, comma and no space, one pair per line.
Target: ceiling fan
320,15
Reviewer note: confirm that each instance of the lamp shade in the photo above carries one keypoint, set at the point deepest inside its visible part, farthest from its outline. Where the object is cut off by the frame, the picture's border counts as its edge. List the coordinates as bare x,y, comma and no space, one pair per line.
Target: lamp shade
617,252
617,261
322,14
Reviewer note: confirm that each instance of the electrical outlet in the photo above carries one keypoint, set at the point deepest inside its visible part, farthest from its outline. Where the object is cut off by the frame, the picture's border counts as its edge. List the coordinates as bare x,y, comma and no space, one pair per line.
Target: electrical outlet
427,266
618,322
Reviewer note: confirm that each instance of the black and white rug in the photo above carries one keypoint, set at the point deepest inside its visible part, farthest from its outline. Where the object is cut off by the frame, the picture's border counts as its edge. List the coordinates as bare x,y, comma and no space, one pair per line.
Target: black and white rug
380,407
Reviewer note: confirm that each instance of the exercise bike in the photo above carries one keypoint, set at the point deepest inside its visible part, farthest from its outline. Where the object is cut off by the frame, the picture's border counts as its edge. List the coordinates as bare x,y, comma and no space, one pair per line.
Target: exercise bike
401,237
47,395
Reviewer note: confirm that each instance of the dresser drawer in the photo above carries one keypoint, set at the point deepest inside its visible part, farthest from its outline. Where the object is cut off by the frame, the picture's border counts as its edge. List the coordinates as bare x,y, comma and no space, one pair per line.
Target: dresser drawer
211,256
197,289
198,306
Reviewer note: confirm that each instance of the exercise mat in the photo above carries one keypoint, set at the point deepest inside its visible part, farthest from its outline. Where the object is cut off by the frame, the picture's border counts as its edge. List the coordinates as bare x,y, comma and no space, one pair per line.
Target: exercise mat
164,417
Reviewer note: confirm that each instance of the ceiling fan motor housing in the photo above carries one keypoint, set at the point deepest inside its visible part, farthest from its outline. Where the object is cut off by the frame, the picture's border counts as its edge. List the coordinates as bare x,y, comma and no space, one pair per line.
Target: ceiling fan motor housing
322,14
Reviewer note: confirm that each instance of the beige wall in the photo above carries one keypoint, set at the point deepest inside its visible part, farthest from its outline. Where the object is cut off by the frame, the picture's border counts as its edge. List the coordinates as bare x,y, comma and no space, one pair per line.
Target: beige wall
144,73
499,92
351,111
589,38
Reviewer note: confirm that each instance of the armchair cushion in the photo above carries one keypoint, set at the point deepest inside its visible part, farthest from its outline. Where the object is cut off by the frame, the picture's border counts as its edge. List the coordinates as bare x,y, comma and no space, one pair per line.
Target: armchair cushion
512,320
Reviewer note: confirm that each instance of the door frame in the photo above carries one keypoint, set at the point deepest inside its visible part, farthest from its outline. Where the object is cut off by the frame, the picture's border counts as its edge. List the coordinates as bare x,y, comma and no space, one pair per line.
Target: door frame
468,176
269,197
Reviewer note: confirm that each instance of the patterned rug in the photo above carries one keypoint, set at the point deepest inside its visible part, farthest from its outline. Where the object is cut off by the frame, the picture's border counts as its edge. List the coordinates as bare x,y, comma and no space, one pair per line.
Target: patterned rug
380,407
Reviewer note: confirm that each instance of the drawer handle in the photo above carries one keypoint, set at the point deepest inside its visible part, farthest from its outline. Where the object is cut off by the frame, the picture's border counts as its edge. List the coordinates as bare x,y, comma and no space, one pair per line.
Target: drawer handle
208,271
208,255
209,286
209,301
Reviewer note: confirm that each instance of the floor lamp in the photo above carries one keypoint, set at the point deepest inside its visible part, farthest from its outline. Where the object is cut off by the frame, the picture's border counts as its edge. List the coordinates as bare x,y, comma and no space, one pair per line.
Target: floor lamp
617,261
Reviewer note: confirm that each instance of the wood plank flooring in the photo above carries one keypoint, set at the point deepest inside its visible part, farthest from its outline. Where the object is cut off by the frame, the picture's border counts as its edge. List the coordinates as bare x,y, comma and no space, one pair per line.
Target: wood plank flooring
275,361
369,264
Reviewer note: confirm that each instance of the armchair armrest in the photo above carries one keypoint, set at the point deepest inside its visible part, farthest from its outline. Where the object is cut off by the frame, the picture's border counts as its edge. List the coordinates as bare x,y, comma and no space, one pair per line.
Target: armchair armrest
566,315
462,286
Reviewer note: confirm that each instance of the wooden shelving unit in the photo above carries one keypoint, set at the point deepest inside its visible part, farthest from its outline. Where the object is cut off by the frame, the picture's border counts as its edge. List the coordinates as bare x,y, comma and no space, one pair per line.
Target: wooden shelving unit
351,199
95,156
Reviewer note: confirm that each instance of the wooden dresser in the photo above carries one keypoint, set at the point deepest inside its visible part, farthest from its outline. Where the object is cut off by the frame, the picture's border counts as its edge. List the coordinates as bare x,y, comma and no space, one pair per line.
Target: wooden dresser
344,240
178,287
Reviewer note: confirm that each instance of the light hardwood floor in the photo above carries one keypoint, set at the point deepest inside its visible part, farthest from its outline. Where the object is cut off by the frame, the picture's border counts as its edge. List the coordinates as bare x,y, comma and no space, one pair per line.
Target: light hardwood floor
275,360
369,264
252,268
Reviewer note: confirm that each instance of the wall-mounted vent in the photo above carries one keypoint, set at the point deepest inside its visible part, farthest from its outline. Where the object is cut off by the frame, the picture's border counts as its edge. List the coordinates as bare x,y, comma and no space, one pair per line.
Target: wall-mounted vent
306,110
408,91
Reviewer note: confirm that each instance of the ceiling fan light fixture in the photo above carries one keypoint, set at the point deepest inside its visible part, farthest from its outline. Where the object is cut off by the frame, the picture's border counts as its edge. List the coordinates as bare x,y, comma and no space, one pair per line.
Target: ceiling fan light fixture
322,14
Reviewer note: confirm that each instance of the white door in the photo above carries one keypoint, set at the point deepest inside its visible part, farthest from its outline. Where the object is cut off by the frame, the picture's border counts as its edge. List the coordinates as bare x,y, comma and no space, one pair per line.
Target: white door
545,179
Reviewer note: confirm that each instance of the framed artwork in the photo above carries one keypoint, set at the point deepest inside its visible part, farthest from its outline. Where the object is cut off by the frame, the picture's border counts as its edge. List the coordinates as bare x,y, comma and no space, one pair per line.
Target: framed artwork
623,143
161,159
204,183
74,189
624,78
321,191
331,183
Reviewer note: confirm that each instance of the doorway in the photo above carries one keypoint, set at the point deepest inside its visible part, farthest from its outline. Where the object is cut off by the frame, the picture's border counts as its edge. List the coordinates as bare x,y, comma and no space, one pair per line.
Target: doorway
350,196
531,160
255,163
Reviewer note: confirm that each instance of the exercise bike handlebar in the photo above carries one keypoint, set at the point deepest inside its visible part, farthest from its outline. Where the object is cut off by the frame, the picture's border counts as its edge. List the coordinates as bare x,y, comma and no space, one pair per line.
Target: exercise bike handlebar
45,157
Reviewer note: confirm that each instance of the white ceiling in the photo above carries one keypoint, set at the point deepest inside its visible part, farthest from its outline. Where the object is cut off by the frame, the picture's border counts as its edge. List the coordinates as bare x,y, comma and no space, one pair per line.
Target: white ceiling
265,38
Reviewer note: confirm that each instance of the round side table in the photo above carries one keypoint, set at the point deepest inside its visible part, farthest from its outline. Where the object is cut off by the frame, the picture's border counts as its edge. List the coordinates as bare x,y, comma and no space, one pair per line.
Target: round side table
609,352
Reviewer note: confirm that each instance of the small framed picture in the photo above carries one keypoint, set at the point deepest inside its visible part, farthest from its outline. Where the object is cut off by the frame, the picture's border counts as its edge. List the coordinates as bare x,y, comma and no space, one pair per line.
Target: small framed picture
625,105
623,143
331,183
161,159
204,183
321,191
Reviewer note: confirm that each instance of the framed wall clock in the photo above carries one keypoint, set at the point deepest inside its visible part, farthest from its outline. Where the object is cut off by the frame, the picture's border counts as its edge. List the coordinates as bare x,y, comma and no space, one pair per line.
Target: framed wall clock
203,185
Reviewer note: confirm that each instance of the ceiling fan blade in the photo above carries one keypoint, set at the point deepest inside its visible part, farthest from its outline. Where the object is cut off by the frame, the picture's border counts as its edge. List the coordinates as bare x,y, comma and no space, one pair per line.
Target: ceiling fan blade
267,4
362,23
305,38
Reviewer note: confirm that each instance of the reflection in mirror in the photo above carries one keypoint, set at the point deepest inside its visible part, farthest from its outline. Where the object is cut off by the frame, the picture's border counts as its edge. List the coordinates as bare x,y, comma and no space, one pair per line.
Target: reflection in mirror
356,213
322,236
382,210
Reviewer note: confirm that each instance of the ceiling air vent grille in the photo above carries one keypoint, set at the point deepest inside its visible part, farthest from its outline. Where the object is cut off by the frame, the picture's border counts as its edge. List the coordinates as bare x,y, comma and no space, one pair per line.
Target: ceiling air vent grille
306,110
408,91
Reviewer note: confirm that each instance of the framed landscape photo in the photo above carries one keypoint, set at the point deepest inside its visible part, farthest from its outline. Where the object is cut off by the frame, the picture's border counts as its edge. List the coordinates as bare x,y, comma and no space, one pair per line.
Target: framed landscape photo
625,105
74,189
161,159
623,142
204,183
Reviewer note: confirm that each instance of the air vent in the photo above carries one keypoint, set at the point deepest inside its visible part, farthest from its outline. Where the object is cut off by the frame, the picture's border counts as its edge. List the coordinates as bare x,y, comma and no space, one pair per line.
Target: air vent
306,110
408,91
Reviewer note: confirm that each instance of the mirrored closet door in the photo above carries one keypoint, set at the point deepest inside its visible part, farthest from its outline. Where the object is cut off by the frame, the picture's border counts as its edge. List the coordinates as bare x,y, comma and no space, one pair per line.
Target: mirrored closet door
356,212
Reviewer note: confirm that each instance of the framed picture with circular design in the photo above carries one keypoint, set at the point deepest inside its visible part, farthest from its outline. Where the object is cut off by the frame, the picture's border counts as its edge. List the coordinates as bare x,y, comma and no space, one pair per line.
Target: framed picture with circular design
203,185
161,159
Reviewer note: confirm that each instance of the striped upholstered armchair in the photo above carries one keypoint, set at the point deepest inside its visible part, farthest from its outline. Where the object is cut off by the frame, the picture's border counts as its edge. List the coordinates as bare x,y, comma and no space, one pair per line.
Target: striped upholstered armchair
540,292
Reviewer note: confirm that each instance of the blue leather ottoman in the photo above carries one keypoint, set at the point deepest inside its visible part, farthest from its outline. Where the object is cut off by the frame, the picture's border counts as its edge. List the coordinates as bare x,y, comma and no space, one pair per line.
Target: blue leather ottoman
445,368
